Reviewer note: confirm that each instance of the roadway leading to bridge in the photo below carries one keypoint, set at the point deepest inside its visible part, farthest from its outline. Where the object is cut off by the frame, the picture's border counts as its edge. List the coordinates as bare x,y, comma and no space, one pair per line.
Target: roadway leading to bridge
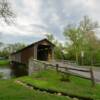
96,71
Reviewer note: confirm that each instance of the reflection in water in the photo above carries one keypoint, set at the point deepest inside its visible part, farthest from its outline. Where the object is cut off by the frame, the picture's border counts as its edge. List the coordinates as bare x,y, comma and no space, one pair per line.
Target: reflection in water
18,70
13,70
5,73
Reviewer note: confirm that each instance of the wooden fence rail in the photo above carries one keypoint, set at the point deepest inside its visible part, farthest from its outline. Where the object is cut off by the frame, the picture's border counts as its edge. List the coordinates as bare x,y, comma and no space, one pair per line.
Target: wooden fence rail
65,70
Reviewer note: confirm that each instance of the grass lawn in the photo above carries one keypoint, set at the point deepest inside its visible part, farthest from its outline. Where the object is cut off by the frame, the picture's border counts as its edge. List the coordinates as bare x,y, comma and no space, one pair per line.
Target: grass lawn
9,90
4,63
50,79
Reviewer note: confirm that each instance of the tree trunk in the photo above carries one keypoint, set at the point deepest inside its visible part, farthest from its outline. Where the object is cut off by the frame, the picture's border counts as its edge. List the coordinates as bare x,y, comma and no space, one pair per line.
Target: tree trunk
92,59
76,58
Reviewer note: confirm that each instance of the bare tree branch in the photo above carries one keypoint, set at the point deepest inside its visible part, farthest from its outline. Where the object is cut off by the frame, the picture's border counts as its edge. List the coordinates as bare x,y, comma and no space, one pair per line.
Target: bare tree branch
6,12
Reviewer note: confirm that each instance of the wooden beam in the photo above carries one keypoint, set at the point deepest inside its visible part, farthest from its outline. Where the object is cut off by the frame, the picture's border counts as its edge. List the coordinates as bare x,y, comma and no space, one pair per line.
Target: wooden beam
35,51
52,51
92,77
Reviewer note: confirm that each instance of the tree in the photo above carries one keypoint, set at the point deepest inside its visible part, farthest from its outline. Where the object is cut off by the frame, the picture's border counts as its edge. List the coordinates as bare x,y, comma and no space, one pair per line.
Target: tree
82,37
6,12
76,38
88,27
11,48
58,53
50,37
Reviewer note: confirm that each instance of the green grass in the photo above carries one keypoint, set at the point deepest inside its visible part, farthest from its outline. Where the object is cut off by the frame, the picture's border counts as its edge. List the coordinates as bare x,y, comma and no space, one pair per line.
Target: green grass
50,79
4,63
9,90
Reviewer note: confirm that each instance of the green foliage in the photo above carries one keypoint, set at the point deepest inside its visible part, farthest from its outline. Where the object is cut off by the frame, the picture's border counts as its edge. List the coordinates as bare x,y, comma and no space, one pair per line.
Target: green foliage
76,38
83,39
50,37
65,77
11,48
58,53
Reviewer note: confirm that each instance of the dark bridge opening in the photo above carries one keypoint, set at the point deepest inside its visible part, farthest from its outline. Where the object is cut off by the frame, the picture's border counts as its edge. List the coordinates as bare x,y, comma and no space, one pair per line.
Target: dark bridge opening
44,52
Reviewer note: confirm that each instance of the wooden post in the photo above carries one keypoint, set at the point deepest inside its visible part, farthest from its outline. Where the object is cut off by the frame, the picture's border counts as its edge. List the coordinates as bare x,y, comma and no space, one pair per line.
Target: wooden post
35,52
57,66
92,77
49,56
52,56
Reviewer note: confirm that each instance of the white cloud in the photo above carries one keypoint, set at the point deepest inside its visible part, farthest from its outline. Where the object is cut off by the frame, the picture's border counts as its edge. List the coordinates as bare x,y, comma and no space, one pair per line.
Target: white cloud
39,17
27,14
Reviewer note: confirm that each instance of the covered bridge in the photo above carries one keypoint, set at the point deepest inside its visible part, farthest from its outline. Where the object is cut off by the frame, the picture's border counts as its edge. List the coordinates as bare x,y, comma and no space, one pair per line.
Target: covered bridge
40,50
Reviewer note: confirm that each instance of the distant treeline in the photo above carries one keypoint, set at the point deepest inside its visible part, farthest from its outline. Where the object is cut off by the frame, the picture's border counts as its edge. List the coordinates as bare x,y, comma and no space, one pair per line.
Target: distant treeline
9,48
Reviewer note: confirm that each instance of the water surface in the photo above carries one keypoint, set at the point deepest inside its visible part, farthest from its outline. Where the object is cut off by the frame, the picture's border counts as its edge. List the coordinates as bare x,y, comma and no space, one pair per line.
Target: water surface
9,71
6,72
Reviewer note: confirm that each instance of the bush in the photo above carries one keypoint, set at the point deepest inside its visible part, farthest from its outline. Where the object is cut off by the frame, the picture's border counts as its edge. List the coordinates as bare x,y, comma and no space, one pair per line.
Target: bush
65,77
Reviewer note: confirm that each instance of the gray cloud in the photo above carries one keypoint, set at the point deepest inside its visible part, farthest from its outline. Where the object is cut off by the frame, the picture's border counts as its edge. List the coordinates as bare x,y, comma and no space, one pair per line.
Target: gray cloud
16,38
48,16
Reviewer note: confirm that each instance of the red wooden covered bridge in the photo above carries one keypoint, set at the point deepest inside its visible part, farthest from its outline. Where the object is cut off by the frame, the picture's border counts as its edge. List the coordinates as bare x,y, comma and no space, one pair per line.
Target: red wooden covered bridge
40,50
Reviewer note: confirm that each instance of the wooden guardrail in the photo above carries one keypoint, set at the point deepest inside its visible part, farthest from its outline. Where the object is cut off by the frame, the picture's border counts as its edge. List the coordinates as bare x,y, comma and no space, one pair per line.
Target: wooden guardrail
73,63
66,70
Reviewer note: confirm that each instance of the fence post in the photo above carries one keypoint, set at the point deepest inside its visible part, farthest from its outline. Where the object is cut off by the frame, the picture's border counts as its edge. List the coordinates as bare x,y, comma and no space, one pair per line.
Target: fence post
57,66
92,77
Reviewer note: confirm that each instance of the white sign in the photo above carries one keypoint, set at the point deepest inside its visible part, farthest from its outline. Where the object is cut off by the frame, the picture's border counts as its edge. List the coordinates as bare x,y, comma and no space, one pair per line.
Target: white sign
82,53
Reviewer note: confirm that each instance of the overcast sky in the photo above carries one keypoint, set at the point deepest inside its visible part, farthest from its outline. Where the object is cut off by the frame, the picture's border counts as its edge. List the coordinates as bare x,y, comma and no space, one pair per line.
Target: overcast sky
35,18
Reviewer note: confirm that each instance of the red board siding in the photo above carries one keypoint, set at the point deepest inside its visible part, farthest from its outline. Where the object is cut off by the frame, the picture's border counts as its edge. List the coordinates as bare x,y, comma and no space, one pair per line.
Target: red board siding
27,54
